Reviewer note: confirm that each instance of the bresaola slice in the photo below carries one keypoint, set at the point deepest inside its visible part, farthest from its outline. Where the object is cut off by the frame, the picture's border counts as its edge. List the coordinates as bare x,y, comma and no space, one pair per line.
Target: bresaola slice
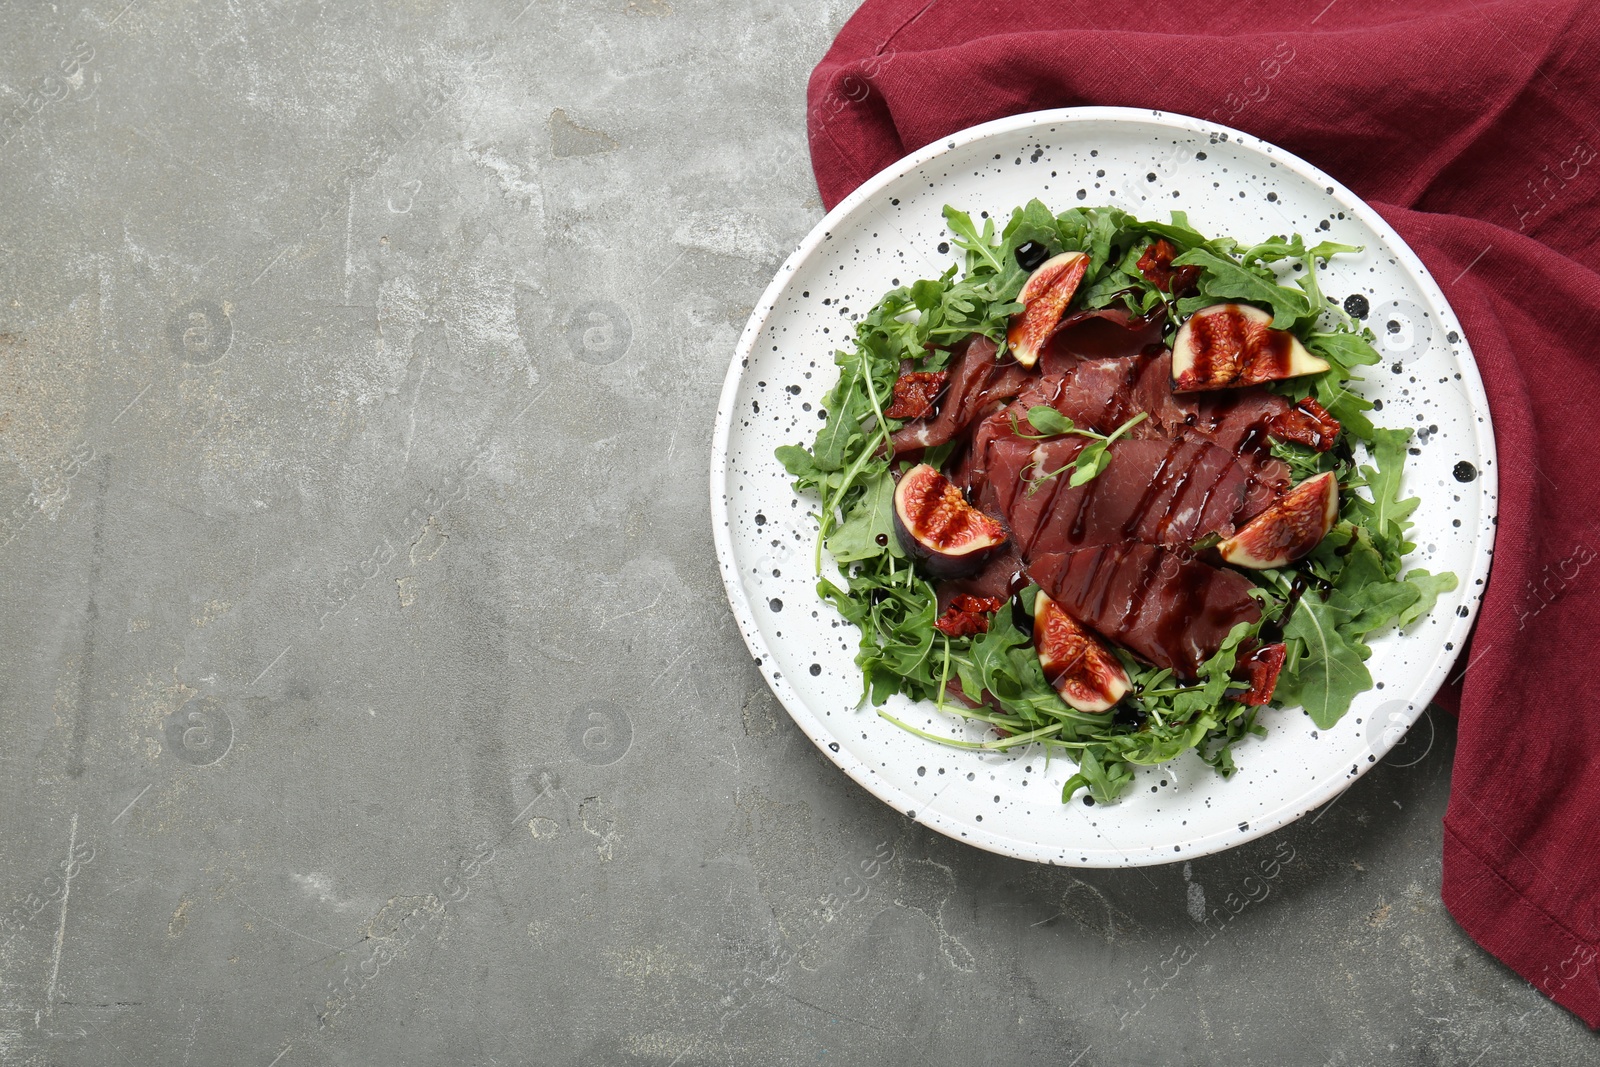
1199,464
1164,491
1100,333
1163,605
977,385
1226,346
1239,421
1102,394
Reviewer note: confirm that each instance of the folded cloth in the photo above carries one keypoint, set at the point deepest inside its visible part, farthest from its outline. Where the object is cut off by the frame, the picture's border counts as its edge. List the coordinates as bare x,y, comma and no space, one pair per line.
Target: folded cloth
1474,129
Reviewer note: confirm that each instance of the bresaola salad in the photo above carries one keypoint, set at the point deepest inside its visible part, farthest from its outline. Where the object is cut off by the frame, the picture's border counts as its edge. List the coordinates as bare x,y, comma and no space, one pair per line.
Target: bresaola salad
1103,487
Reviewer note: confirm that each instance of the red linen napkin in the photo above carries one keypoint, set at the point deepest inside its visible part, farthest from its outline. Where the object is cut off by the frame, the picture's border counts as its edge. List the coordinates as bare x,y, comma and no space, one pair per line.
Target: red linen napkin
1474,128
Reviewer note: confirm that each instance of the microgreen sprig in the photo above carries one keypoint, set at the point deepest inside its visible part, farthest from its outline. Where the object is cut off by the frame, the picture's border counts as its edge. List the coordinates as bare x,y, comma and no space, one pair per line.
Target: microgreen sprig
1094,458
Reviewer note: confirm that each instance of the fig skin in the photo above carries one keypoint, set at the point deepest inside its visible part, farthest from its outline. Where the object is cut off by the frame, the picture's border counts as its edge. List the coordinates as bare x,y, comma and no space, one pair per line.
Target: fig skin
1229,346
1287,530
1080,666
1044,300
937,526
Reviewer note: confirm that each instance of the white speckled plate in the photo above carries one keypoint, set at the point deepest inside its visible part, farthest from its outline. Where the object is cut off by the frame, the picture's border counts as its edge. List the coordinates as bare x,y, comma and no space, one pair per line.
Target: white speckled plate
891,230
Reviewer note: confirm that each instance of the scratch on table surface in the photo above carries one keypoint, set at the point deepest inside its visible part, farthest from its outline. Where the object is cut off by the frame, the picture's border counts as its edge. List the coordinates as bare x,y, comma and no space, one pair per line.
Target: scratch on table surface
270,265
658,678
837,1014
61,927
736,763
349,225
284,928
271,665
132,802
660,592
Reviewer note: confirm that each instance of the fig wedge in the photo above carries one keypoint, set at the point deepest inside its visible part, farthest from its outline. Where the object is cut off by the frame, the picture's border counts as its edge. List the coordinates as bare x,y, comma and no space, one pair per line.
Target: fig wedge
1080,666
1287,530
1044,301
936,525
1228,346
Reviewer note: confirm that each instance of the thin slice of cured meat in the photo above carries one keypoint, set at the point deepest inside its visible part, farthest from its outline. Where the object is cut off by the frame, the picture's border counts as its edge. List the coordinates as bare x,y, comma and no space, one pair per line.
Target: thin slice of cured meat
1239,422
1015,484
1114,552
1099,333
1163,605
1236,420
978,385
1165,491
1090,393
1102,394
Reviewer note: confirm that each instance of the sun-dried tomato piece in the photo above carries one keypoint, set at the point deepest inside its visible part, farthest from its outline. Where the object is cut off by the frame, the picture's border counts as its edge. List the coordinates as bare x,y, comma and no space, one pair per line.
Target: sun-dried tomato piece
1307,423
916,394
1156,266
968,615
1260,668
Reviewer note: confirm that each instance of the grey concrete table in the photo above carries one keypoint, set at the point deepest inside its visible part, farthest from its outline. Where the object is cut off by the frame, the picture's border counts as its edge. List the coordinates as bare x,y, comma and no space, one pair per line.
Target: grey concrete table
369,691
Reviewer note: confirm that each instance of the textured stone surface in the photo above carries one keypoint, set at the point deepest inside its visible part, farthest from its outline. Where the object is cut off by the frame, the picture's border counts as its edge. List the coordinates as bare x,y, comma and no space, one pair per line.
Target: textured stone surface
368,690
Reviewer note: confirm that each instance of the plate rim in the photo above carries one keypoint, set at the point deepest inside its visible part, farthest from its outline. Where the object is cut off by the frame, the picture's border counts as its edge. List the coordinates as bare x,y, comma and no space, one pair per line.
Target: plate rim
1321,790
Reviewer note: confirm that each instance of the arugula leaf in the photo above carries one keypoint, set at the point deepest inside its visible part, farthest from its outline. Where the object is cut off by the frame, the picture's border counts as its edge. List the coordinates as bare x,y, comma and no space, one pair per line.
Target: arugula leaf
1307,278
1333,670
1389,450
1386,516
843,423
1342,349
1303,462
1091,775
872,517
1224,278
1184,236
801,465
1428,587
1102,231
1362,563
1381,604
1032,222
978,246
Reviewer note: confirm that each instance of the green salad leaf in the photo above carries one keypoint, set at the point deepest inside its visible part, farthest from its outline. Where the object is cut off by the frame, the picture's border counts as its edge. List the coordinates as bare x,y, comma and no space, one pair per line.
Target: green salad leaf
1331,667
